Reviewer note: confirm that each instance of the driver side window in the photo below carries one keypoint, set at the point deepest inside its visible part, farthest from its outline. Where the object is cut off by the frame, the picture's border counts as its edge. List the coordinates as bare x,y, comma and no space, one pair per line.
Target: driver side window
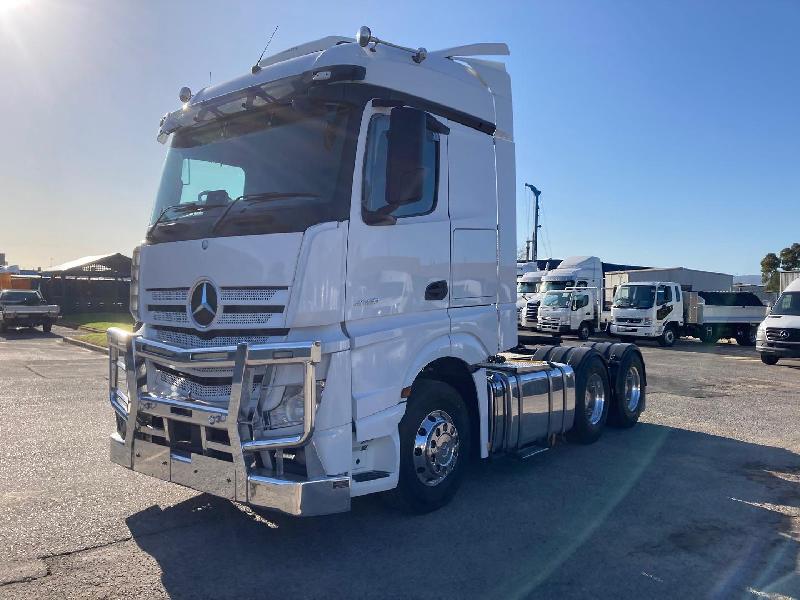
373,194
664,294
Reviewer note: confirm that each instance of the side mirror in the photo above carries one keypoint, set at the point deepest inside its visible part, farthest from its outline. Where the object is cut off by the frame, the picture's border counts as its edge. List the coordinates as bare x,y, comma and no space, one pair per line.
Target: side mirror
405,170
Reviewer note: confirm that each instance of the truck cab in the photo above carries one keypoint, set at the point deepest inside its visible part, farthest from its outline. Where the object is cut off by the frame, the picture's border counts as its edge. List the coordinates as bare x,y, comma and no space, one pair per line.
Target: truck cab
572,310
648,309
527,289
778,335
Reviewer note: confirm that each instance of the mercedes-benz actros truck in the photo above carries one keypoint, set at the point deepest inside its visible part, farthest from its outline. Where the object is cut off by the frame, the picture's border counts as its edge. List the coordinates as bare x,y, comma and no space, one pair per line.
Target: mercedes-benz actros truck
325,298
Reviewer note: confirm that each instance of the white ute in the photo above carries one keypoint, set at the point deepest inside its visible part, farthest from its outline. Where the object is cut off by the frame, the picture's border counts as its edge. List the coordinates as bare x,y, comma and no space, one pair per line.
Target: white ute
327,287
778,335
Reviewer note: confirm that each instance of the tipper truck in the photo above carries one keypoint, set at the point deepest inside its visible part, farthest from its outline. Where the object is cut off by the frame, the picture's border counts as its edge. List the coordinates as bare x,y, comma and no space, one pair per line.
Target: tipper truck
325,298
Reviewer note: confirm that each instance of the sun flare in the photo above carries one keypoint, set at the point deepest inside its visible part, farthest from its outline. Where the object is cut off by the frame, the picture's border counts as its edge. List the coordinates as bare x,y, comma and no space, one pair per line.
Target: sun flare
7,6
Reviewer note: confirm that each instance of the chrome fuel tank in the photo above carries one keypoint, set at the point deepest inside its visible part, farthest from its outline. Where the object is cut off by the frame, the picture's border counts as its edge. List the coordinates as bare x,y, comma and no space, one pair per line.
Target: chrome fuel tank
528,402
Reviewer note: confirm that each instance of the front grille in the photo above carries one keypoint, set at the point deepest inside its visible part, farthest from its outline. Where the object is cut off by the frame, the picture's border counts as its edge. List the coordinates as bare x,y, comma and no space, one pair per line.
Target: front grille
549,322
188,338
242,306
532,312
628,320
168,294
775,334
249,294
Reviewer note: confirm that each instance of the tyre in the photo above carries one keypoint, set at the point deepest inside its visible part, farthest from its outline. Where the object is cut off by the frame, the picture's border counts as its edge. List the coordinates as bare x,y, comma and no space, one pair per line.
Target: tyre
434,447
747,338
629,391
667,339
592,399
769,359
46,327
708,335
584,331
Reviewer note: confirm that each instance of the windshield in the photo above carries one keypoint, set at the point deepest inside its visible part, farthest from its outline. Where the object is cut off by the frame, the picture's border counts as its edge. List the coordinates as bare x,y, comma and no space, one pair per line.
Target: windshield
284,166
527,287
635,296
26,298
788,304
556,285
557,299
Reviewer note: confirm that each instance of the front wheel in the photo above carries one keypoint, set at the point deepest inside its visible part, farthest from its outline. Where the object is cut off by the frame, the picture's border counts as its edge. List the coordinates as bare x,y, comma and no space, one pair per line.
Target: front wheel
769,359
434,447
667,338
584,331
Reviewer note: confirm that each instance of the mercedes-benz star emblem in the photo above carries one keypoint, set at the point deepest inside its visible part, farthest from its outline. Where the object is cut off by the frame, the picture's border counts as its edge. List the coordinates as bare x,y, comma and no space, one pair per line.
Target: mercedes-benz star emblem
784,333
203,304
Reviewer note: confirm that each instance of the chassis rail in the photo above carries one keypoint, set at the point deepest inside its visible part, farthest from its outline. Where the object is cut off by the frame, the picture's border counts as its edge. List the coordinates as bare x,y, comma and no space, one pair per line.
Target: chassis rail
239,480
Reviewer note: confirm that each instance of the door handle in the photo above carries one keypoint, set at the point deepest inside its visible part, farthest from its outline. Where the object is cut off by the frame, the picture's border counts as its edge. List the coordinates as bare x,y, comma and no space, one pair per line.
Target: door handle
436,290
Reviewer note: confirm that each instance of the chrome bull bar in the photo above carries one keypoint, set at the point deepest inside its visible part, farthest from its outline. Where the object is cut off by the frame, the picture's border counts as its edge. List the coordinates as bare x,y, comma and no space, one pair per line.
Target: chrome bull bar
239,480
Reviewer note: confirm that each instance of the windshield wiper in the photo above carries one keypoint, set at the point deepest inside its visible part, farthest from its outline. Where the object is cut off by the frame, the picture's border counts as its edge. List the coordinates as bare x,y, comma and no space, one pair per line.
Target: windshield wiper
258,197
186,207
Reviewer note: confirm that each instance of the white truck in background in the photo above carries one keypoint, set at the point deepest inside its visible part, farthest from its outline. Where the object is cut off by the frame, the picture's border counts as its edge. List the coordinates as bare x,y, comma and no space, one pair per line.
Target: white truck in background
778,335
574,271
571,310
527,288
325,297
662,311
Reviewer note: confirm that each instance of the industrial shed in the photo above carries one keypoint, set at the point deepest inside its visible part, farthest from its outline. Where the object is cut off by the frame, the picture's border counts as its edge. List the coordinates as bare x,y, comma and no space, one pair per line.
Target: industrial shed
89,284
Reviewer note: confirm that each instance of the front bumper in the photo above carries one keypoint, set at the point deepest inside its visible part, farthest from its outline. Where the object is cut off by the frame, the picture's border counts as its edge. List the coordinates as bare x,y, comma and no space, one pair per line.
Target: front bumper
782,349
144,443
634,330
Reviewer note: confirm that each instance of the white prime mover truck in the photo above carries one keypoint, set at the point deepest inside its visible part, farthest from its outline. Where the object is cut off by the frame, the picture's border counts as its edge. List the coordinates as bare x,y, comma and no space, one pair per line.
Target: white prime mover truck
326,289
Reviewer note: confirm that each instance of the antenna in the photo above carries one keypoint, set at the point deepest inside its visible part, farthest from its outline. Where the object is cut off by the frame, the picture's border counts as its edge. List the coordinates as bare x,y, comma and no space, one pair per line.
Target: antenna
256,68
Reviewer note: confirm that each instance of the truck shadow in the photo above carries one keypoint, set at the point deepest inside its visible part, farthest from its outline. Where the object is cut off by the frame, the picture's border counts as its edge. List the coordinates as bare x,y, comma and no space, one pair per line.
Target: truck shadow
649,512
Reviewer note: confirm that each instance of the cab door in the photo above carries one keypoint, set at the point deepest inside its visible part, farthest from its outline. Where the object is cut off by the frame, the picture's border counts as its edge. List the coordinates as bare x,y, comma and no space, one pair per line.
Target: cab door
582,310
665,305
398,262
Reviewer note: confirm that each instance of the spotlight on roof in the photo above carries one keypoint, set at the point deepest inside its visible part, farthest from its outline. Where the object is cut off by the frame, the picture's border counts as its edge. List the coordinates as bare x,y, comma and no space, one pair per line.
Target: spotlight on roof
185,94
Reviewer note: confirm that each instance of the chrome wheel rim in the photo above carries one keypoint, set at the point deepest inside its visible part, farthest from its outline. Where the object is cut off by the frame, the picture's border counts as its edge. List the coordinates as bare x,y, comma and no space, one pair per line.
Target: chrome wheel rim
436,448
594,398
633,388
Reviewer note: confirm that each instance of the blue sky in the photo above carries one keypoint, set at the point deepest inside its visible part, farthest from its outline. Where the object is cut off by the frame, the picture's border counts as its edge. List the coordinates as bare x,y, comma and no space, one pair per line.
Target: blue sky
661,133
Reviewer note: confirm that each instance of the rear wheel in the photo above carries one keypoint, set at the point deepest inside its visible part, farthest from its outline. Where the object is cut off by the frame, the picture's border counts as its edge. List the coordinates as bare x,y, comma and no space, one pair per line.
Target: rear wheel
769,359
434,446
46,327
629,391
592,400
747,337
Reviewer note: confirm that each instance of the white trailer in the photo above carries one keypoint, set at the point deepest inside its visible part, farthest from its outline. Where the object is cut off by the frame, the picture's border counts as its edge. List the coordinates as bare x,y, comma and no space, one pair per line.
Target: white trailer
325,299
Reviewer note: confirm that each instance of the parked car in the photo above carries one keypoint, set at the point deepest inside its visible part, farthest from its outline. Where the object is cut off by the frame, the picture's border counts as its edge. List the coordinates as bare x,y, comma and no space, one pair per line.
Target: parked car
778,336
26,308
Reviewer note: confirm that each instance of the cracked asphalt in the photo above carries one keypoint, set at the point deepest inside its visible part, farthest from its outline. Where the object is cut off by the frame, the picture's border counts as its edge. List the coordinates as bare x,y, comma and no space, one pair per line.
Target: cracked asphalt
701,499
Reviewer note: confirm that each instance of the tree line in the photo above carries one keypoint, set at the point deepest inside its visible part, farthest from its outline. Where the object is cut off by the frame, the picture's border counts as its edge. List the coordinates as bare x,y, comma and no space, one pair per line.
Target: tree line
787,259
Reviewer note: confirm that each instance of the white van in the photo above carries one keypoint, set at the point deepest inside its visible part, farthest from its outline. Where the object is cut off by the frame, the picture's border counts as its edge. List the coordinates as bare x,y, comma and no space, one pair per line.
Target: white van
778,336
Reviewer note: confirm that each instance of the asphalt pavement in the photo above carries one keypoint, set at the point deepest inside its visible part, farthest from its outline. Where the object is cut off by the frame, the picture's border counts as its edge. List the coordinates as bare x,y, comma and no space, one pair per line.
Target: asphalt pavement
701,499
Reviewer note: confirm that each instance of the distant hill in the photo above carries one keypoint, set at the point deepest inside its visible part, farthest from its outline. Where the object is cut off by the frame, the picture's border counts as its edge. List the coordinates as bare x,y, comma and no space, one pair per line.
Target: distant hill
747,279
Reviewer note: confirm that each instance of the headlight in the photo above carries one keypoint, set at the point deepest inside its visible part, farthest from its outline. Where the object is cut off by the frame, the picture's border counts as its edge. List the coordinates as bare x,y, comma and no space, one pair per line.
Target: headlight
291,409
648,321
134,293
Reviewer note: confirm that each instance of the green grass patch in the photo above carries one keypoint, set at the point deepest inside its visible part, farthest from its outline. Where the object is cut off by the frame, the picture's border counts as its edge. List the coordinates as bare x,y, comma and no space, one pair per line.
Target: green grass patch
98,339
99,320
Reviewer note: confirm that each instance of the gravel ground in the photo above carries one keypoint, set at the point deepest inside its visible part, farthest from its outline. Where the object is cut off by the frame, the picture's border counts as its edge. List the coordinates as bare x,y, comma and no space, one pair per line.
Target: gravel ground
701,499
